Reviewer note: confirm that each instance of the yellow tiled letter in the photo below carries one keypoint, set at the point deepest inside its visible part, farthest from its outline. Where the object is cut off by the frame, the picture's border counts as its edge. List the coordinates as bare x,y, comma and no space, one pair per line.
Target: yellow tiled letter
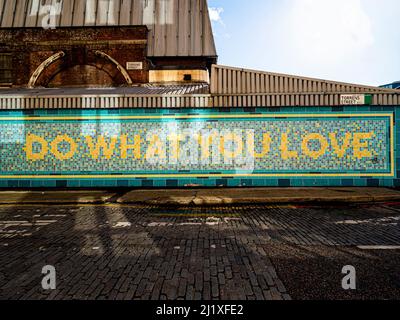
361,146
175,141
125,146
238,142
205,142
340,151
30,140
266,145
108,149
63,156
286,154
315,154
155,148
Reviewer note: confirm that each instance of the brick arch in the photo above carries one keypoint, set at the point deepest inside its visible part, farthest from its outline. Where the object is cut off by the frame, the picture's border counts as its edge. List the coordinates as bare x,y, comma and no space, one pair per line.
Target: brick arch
45,64
79,67
85,75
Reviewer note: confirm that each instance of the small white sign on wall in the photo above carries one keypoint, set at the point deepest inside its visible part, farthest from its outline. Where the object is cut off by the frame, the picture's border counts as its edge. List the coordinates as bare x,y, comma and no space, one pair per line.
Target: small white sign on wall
134,65
354,99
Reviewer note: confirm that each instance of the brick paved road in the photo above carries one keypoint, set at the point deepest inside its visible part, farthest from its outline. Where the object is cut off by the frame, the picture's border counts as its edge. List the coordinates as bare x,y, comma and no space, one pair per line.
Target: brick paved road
252,252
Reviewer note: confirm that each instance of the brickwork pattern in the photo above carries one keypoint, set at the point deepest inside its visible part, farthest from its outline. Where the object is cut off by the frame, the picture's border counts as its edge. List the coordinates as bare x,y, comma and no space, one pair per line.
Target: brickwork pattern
112,252
138,253
31,47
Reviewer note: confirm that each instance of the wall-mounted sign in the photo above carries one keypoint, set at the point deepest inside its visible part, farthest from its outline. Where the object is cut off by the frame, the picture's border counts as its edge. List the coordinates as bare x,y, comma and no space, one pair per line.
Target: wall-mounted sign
134,65
355,99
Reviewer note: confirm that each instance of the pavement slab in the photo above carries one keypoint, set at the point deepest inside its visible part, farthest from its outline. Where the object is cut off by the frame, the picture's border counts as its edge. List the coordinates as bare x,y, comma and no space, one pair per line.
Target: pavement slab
163,197
55,197
259,196
204,197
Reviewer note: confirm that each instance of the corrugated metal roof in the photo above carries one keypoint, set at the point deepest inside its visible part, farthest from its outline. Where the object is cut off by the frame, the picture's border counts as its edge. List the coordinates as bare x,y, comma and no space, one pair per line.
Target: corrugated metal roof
235,87
109,101
177,27
90,100
148,89
230,80
149,96
313,99
247,89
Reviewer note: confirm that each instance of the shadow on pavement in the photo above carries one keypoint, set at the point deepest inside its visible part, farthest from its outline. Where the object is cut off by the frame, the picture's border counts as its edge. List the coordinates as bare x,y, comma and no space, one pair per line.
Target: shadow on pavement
228,253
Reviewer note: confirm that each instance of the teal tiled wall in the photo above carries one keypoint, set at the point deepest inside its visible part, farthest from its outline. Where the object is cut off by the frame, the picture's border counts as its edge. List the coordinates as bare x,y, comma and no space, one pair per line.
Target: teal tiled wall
90,167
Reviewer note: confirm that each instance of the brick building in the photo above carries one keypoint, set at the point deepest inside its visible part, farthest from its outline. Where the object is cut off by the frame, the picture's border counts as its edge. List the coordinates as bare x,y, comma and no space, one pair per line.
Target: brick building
104,43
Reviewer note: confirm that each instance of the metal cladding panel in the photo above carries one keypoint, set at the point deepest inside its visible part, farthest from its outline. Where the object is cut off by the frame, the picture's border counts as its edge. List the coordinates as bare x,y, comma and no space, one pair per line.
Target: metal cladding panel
148,89
176,27
149,96
229,80
178,98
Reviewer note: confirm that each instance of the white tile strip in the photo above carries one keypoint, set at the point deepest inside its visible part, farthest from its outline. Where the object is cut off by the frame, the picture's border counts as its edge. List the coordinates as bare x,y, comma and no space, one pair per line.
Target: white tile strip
379,247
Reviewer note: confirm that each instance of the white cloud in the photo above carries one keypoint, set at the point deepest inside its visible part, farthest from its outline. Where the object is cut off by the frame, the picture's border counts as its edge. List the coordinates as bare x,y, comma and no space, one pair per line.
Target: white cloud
215,14
328,30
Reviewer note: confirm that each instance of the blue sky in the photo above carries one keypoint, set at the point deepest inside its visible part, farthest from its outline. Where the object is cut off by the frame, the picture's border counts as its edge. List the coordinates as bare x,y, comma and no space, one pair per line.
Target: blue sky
356,41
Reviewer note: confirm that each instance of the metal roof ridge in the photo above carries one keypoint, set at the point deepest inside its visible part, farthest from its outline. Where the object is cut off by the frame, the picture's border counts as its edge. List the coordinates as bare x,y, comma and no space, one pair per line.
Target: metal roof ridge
385,90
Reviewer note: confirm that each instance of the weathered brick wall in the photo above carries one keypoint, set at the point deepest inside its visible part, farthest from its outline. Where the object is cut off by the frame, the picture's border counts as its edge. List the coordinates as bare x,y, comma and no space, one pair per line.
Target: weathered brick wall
80,66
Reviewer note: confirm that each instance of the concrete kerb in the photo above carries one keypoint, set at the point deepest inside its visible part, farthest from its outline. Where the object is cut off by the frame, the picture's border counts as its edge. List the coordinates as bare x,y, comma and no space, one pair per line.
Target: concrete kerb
215,197
204,197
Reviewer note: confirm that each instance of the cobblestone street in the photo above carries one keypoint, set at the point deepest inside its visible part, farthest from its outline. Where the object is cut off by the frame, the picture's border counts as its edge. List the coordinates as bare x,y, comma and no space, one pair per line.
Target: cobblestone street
209,253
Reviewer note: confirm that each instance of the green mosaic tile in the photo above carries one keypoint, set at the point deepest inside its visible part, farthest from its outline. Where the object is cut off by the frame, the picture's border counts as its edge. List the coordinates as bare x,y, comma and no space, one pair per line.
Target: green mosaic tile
13,141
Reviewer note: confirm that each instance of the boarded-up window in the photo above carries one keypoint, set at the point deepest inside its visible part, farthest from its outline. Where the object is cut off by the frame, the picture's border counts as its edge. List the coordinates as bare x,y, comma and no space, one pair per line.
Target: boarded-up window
5,68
